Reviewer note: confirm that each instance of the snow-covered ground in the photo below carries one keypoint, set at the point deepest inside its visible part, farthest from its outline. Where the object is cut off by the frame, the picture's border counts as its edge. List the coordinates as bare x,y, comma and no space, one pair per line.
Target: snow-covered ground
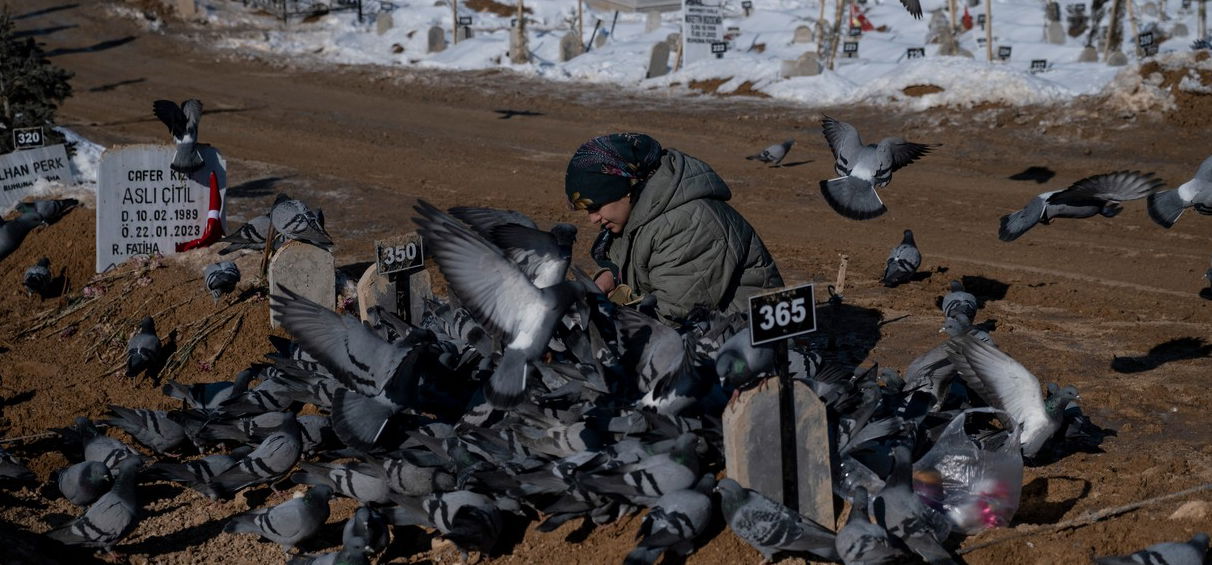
878,75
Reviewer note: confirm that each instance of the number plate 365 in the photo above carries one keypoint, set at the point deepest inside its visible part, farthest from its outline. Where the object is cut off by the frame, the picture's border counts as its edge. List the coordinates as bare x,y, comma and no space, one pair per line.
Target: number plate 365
782,314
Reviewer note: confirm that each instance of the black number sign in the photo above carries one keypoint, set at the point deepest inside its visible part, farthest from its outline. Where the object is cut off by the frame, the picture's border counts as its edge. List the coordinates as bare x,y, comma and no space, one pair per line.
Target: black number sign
980,20
464,20
855,31
403,254
718,48
747,5
28,138
850,47
915,52
1003,52
1145,39
782,314
1038,65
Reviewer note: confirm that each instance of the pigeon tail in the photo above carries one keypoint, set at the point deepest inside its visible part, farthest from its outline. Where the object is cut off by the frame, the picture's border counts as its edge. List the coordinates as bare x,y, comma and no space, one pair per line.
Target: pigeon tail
136,361
1165,207
508,383
187,159
853,197
358,419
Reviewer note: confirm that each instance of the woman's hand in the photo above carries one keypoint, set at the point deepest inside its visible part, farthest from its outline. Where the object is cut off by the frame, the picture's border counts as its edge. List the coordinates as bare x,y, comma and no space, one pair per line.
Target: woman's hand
606,282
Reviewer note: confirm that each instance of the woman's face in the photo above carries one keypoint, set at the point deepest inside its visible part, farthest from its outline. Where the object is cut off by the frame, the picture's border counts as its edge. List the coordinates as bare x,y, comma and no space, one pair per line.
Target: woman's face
612,216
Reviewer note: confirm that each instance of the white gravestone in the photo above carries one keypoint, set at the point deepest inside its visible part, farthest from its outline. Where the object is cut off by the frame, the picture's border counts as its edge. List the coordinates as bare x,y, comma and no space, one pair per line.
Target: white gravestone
652,21
19,171
803,34
144,207
375,290
702,25
658,63
383,23
805,66
437,39
306,270
571,46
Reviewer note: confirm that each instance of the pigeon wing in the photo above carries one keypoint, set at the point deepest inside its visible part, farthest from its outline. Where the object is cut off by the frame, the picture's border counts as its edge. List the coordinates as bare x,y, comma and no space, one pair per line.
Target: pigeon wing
1016,224
191,110
484,220
904,152
998,379
844,140
171,115
535,251
1119,186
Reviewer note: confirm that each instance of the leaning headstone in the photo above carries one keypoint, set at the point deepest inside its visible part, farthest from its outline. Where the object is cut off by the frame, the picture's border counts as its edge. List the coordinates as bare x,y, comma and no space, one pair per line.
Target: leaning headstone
939,29
1088,55
1052,12
753,452
652,22
19,170
1179,30
383,23
144,207
420,289
1054,32
1117,59
599,41
658,62
1150,9
305,269
803,34
806,65
674,39
464,33
571,46
437,39
375,290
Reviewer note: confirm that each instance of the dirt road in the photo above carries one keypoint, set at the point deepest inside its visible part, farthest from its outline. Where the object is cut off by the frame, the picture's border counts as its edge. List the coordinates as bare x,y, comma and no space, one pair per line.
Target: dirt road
1070,300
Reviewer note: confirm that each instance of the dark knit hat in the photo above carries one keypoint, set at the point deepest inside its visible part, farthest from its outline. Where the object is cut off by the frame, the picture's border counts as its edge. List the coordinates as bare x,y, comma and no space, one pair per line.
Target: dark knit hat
608,167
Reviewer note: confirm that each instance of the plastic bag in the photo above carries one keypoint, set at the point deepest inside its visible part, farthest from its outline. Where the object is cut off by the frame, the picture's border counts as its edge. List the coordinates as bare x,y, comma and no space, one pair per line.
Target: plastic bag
975,480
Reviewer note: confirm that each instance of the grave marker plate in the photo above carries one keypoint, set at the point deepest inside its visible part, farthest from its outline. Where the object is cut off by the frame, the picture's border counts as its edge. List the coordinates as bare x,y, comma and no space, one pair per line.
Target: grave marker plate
782,314
980,21
1145,39
855,31
20,169
1039,65
1003,52
28,138
915,52
718,49
850,48
464,20
144,207
402,254
702,25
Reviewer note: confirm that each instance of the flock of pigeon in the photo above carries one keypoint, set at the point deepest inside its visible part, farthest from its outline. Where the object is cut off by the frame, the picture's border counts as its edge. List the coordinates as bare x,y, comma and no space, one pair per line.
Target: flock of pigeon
864,168
531,396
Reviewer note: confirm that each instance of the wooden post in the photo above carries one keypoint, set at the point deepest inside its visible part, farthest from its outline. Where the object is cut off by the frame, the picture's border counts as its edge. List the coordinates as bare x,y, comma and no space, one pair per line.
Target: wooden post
989,30
1132,21
1203,19
951,7
837,31
454,20
581,20
791,490
1113,36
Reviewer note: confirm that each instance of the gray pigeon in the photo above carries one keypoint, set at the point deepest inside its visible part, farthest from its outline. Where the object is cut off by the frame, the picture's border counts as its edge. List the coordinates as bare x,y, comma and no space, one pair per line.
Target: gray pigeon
143,349
365,482
1193,552
1165,206
199,472
665,364
110,518
13,470
288,523
209,396
902,262
248,236
861,542
83,483
500,296
543,256
1005,384
770,527
774,154
37,277
294,220
1091,196
959,302
182,122
152,428
673,523
221,278
647,480
863,168
96,445
48,211
470,520
902,513
274,457
367,530
739,364
13,232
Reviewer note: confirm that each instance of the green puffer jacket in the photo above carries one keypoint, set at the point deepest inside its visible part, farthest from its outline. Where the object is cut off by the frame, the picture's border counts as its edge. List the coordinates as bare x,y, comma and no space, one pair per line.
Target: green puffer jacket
684,244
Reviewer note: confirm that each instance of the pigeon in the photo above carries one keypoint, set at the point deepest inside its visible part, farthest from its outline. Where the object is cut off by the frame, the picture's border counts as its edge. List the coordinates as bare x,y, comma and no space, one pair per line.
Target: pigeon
665,363
500,296
182,122
914,7
673,523
861,542
83,483
199,472
48,211
288,523
470,520
366,530
902,262
959,302
1193,552
863,168
221,278
37,277
902,513
1091,196
645,481
294,220
543,256
1005,384
770,527
774,154
365,482
110,518
143,349
152,428
274,457
248,236
1165,206
209,396
12,470
96,445
739,363
13,232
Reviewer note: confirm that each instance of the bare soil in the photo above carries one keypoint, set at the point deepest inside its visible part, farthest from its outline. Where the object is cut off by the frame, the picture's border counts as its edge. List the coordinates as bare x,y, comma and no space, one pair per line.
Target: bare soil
1111,306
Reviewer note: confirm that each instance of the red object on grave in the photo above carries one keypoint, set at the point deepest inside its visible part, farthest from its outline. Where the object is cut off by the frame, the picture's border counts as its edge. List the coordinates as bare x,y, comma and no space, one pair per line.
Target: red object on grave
214,227
967,19
859,20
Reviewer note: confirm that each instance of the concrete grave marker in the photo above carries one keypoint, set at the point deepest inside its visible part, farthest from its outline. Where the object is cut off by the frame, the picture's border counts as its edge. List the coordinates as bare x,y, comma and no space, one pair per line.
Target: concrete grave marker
674,40
599,40
383,23
144,207
806,65
702,25
19,170
1117,59
519,52
375,290
803,34
1088,55
465,32
1052,11
571,46
652,21
305,269
187,9
658,62
1179,30
437,39
1150,9
1054,33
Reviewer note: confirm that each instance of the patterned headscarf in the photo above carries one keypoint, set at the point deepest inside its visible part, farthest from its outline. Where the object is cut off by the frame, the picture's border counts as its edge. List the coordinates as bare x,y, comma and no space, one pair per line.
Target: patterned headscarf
608,167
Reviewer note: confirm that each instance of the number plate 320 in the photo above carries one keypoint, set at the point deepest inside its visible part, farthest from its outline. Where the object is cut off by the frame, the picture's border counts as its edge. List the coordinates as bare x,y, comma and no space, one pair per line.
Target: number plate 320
782,314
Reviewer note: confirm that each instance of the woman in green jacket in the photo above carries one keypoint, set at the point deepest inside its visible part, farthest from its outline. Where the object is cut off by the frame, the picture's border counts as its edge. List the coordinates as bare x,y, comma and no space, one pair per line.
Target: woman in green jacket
667,228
